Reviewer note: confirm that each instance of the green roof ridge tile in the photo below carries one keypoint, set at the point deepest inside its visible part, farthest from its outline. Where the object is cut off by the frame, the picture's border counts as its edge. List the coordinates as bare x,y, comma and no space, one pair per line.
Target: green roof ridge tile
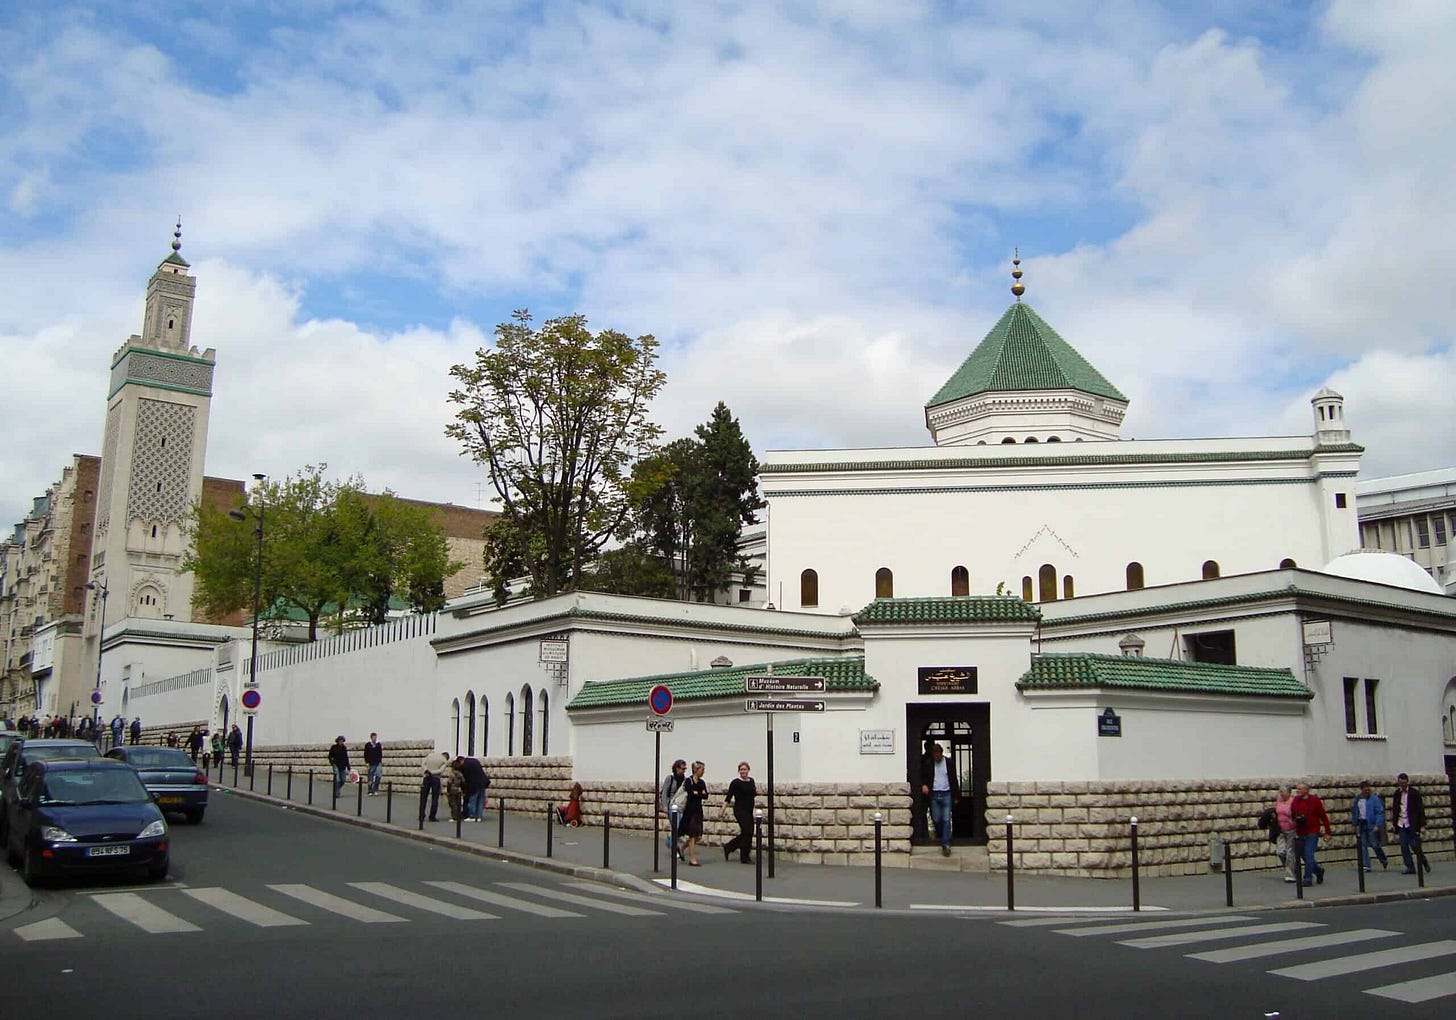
947,609
1061,670
841,674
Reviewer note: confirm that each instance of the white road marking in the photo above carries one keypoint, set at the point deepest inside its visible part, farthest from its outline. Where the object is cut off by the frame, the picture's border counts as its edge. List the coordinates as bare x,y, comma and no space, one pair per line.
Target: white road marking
1137,926
44,931
580,901
502,900
244,909
336,904
983,909
653,901
1184,938
1420,990
427,903
1367,961
724,894
1334,938
146,916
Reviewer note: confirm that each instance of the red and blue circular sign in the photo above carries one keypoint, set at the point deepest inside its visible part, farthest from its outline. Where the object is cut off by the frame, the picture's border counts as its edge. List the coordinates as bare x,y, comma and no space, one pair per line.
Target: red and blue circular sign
251,699
660,699
95,697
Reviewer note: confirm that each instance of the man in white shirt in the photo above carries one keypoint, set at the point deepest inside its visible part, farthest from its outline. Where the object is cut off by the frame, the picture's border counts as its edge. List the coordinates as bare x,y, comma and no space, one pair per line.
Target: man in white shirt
939,786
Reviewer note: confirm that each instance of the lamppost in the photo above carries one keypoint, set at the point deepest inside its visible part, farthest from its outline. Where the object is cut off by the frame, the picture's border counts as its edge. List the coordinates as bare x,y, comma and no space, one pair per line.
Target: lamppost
239,515
100,635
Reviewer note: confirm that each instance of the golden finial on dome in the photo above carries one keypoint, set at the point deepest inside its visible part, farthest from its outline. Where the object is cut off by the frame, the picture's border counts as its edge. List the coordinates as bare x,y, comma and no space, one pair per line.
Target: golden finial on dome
1017,287
177,235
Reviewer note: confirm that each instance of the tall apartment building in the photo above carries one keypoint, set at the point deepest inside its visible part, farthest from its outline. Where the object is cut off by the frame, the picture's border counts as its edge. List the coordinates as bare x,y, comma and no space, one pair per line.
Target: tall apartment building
1413,515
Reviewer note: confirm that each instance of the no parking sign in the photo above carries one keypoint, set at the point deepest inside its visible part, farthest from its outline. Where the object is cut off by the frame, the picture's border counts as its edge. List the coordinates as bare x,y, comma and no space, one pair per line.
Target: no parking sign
251,699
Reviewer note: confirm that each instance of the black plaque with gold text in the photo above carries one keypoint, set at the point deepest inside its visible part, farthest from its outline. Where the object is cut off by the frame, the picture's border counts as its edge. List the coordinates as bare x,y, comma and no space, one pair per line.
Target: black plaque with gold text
947,679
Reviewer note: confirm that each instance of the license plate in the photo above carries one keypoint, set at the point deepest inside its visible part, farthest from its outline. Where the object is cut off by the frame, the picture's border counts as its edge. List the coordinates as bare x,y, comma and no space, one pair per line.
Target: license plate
169,800
107,851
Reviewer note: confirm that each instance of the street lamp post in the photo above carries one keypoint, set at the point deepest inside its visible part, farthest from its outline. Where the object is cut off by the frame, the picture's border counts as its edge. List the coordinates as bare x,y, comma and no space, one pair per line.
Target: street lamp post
239,515
100,635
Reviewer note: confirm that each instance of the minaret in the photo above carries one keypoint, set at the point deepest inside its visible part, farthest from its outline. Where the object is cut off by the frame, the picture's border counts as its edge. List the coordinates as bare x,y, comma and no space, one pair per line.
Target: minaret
157,407
1330,428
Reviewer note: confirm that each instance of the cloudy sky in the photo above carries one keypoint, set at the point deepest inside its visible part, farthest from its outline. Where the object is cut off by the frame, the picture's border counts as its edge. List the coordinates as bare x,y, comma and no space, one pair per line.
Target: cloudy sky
812,206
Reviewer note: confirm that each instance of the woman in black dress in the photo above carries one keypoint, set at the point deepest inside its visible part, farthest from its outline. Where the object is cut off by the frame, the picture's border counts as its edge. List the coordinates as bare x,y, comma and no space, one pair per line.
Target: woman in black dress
692,819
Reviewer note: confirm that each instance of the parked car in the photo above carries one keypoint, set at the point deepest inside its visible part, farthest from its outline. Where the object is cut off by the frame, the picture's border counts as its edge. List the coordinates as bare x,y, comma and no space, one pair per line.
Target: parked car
20,754
76,816
170,776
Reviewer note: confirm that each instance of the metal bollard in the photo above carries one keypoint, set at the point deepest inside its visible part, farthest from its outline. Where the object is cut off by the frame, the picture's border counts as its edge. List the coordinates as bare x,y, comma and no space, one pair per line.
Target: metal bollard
1299,871
334,790
389,803
458,819
500,836
606,839
550,826
235,776
270,779
310,787
758,854
1359,868
359,807
879,824
252,777
1420,865
672,834
290,783
1137,903
1228,873
1010,869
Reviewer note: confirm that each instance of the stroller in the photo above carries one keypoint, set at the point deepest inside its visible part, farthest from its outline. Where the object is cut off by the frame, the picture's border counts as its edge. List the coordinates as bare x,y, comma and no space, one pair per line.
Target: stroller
570,812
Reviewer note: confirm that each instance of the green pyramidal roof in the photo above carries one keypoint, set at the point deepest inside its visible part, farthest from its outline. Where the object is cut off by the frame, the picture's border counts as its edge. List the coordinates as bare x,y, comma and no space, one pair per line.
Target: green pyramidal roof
1061,670
176,260
1023,353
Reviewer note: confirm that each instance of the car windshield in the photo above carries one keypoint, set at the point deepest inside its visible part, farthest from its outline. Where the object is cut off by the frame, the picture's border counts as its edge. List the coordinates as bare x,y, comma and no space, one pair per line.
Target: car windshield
44,752
159,758
79,786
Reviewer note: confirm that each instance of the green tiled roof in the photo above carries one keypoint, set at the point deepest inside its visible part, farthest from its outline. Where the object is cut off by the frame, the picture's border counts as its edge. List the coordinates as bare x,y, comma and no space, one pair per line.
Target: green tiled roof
1023,353
948,609
1060,671
176,260
844,674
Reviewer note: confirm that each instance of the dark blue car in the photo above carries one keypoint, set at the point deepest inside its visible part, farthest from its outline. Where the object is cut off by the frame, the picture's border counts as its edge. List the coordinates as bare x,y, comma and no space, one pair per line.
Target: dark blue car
75,817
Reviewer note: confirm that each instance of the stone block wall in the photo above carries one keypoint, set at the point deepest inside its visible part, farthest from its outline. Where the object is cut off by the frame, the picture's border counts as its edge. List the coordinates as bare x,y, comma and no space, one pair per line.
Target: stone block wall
1083,828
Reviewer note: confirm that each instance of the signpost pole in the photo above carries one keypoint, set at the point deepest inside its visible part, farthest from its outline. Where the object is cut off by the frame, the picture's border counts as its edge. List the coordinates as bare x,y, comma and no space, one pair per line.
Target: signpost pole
771,844
656,826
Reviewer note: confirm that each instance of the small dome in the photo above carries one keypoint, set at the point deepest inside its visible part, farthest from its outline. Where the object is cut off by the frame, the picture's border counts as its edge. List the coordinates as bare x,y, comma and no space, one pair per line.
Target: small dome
1326,393
1383,568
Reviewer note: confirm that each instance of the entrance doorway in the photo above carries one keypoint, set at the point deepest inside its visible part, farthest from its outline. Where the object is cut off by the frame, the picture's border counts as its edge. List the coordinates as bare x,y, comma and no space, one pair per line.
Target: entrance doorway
963,729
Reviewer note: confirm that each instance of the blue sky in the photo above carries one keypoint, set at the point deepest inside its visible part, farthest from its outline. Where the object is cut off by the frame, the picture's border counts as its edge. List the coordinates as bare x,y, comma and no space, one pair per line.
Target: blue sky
1224,206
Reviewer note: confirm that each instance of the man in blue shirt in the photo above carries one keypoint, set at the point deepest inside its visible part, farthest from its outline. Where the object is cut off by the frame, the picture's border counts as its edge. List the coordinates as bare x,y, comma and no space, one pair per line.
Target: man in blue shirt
1367,815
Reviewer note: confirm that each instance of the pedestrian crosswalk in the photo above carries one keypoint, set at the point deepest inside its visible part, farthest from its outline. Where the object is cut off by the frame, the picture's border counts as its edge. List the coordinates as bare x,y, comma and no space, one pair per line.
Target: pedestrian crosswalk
1337,953
181,909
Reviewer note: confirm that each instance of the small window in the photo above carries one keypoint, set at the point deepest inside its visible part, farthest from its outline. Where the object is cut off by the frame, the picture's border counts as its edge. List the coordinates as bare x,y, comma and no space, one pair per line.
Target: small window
159,486
1026,592
164,442
1210,570
809,588
1030,439
1214,646
154,531
1371,719
884,583
744,594
1438,524
1046,583
1423,533
1339,501
1054,439
1352,685
1067,590
960,581
1008,440
1287,564
544,708
527,722
510,725
1134,576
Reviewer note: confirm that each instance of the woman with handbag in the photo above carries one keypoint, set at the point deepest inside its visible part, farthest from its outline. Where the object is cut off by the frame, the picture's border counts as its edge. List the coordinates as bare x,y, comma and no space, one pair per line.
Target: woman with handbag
692,819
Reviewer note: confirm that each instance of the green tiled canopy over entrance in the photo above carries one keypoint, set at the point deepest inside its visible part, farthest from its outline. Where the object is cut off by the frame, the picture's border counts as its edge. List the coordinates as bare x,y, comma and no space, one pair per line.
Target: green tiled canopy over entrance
1060,671
1023,353
846,674
948,609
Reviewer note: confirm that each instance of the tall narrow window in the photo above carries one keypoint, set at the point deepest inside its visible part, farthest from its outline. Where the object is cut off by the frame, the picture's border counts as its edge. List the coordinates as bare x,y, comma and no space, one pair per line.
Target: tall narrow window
884,583
545,709
528,723
1046,583
1423,533
1352,685
1026,592
510,725
484,726
470,723
809,588
455,723
1067,589
1210,570
960,581
1134,576
1371,719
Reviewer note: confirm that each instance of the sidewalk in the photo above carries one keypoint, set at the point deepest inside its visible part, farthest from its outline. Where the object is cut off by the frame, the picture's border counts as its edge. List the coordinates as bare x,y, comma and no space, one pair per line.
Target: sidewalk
579,851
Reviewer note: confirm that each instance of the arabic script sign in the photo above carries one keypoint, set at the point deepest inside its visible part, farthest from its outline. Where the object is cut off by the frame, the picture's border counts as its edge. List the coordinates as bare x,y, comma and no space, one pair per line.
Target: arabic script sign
947,679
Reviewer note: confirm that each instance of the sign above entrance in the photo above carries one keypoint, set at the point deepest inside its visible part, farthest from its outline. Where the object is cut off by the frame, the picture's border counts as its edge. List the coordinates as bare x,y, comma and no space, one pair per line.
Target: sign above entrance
782,705
784,685
1109,724
659,724
947,679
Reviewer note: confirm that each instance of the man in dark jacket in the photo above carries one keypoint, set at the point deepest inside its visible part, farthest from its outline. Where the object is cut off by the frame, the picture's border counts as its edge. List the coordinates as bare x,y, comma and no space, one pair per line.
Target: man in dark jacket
374,759
339,759
476,782
235,743
136,731
1409,812
939,786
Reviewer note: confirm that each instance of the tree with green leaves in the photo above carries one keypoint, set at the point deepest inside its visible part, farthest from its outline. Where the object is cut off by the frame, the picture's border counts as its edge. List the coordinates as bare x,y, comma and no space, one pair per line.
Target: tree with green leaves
558,416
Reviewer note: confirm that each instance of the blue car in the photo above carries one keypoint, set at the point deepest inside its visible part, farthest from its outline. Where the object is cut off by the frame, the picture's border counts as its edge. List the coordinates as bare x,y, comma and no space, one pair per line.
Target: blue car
76,817
170,776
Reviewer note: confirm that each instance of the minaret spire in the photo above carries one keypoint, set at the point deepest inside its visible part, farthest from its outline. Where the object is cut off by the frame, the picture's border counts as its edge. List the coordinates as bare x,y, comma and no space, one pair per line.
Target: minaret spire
1017,287
177,235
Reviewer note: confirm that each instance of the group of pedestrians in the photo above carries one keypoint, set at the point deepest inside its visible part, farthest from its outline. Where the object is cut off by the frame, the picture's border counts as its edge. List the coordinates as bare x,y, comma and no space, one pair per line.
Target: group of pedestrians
462,779
683,798
1297,820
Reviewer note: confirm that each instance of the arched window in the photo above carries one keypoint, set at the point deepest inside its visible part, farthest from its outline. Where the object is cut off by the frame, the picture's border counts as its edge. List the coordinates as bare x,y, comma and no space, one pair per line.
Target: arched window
1134,576
1210,570
1008,440
470,723
1030,439
1287,564
510,724
484,726
545,709
809,588
960,581
1046,583
1054,439
1067,591
455,723
1026,592
884,583
528,724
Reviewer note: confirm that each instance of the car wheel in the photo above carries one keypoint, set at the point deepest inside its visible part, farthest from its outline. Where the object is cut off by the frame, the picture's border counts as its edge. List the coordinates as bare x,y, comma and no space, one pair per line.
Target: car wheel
194,817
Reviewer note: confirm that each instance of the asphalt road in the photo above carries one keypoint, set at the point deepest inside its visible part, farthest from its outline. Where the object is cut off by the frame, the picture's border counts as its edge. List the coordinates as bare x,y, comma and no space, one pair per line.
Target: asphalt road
268,910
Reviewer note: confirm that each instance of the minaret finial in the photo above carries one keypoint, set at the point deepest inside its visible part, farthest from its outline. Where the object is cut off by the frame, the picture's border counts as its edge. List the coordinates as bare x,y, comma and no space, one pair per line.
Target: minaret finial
1017,287
177,235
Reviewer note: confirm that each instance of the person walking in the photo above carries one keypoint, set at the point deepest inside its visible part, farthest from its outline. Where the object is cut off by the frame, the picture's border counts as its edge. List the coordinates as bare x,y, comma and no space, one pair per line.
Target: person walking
431,766
1310,820
374,759
1288,840
235,742
692,819
194,741
136,731
476,782
1367,815
742,792
1409,811
339,759
938,785
118,726
671,800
